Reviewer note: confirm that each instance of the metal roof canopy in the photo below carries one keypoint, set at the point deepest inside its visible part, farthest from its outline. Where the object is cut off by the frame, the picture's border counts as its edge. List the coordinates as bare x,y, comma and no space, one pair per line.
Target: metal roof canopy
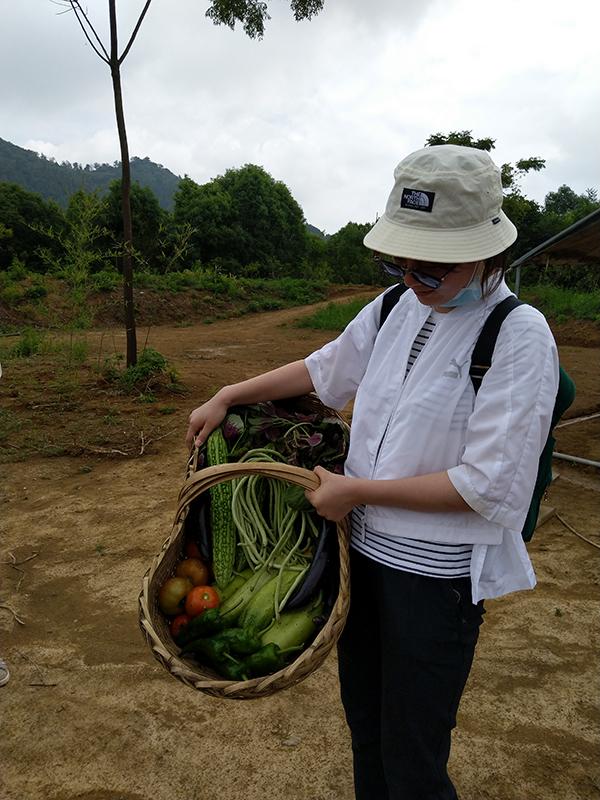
579,243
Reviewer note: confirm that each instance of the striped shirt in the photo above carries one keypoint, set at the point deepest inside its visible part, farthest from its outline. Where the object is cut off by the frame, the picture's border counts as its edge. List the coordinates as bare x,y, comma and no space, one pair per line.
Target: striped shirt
420,342
435,559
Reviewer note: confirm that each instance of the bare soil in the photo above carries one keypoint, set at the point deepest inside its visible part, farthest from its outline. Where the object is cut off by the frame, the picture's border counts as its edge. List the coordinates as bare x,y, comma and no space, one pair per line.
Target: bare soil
89,715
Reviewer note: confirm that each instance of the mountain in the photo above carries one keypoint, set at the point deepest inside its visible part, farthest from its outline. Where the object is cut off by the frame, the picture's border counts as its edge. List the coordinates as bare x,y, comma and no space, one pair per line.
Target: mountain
315,231
37,173
57,182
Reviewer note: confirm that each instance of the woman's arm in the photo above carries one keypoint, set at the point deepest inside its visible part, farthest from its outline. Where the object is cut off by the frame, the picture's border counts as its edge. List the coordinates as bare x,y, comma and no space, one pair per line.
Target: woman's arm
290,380
337,494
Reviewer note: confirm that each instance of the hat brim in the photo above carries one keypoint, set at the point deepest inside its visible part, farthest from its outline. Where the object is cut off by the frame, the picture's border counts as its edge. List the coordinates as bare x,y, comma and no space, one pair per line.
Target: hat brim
446,245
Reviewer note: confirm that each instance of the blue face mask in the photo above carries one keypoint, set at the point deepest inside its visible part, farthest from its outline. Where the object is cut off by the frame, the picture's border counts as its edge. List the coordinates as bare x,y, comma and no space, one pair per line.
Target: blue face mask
468,294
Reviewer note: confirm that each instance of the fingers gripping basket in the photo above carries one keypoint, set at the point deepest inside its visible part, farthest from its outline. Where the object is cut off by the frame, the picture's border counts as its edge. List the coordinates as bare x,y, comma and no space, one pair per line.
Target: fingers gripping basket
155,626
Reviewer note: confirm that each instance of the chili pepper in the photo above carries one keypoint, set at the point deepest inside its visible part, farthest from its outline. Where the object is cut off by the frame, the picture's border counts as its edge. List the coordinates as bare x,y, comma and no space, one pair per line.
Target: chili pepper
267,659
203,625
240,641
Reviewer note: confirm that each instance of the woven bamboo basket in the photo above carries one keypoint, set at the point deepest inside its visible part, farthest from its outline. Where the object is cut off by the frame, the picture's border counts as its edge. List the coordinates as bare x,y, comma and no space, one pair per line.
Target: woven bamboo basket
155,626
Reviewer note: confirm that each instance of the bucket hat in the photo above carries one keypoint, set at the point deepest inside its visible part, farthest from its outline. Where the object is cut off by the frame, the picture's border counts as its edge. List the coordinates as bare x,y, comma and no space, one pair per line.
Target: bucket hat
446,206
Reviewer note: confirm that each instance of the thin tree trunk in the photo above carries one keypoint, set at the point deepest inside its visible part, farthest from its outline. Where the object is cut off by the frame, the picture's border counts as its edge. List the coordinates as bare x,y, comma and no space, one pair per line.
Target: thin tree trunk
115,70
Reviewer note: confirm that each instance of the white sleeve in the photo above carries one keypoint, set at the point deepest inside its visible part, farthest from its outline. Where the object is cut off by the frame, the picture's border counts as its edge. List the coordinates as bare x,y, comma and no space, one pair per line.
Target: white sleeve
337,369
510,421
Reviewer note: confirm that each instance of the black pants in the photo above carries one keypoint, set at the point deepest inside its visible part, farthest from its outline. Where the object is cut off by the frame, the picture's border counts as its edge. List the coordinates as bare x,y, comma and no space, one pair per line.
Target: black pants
404,658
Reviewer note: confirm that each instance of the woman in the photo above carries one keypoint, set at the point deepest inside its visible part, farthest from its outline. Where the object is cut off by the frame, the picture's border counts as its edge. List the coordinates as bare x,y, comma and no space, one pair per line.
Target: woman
438,479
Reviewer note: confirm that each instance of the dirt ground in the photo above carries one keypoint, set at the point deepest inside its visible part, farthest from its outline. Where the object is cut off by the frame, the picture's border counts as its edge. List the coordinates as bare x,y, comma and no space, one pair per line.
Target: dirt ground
88,713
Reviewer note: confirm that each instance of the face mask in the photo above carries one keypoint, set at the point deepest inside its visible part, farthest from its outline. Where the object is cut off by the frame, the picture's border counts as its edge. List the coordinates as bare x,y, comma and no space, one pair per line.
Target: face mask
468,294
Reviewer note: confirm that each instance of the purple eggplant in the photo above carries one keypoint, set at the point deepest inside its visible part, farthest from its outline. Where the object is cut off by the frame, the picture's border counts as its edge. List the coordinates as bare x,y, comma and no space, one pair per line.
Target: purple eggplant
316,570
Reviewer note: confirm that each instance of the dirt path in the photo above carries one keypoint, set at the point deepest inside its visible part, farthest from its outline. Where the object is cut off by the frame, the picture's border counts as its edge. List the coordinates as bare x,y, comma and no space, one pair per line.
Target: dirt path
89,715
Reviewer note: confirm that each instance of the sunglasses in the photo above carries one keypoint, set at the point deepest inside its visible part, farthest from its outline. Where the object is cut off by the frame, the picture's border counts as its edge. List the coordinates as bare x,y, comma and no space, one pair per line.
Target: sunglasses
431,281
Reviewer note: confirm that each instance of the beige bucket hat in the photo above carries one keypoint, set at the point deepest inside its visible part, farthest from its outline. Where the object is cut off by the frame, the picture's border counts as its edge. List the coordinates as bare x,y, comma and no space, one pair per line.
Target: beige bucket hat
446,206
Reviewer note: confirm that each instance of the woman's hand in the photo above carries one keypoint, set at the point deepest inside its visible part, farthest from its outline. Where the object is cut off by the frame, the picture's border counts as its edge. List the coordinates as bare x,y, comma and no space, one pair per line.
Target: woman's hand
204,419
333,499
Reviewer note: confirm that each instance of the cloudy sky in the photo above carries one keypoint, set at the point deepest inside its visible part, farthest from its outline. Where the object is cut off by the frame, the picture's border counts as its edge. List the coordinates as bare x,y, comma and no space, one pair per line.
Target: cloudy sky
327,106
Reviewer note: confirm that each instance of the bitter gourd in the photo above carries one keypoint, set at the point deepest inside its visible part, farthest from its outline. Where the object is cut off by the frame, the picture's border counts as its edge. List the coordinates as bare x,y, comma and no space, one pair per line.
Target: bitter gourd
224,538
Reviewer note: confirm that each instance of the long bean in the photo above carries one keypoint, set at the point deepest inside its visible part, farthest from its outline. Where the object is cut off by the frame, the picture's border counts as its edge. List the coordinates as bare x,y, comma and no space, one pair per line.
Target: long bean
270,542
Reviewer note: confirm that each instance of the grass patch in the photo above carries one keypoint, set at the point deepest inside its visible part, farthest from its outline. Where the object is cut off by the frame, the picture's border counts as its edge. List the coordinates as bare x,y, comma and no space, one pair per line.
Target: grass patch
563,304
556,303
334,317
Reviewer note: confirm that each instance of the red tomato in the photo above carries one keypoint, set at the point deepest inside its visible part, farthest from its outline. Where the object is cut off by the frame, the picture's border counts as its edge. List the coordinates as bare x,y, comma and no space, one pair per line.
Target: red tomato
194,569
199,599
192,550
178,623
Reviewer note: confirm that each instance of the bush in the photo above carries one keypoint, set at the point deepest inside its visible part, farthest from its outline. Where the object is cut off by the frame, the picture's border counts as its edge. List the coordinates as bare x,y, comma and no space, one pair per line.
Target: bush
17,270
30,343
105,281
12,295
151,373
268,304
35,291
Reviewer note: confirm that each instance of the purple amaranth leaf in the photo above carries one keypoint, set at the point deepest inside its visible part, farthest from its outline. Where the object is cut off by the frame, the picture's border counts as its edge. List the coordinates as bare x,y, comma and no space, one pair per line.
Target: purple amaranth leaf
233,426
305,417
311,440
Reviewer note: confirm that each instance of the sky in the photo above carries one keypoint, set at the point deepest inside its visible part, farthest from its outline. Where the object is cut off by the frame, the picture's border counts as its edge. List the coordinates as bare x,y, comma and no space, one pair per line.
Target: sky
328,106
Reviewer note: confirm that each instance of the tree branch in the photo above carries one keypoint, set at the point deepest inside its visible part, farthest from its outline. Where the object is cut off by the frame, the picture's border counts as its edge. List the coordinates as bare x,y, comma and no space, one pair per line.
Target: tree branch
77,10
135,31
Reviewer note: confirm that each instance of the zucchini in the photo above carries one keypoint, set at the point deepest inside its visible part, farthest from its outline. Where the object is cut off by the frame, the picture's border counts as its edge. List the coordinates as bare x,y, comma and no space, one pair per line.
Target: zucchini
224,539
263,607
294,628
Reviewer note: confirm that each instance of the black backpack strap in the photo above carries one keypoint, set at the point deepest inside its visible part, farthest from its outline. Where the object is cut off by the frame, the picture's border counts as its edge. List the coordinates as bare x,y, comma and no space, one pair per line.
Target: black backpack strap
481,360
390,298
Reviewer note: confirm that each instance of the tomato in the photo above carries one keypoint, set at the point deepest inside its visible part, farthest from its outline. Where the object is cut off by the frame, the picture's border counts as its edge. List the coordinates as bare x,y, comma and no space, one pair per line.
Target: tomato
178,623
200,599
192,550
172,593
194,569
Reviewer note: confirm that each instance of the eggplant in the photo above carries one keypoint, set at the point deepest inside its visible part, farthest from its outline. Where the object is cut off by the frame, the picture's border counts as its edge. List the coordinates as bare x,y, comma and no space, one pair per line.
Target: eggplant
316,570
197,527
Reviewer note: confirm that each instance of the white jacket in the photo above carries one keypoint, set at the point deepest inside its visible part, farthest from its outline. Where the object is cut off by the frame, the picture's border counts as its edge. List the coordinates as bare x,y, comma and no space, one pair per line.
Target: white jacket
489,444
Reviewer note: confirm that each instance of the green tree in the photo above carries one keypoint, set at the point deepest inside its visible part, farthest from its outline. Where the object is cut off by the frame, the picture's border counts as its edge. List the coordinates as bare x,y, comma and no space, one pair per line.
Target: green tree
316,264
462,138
268,224
570,206
349,260
208,209
245,221
28,222
251,13
148,220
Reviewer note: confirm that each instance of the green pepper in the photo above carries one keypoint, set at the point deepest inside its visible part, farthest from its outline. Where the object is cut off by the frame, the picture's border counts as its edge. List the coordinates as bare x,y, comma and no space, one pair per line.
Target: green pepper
233,670
203,625
214,652
239,640
267,659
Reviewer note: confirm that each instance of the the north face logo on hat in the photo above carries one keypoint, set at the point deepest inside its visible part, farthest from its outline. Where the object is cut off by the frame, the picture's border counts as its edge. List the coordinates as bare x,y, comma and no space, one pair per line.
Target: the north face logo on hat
417,200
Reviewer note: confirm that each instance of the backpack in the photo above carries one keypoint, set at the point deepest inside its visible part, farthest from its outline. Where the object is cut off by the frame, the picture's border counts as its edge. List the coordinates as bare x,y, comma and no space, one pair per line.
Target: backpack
481,361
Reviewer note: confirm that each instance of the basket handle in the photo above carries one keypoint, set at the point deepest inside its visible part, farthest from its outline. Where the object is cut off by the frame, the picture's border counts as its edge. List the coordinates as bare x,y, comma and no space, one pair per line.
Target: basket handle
201,481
